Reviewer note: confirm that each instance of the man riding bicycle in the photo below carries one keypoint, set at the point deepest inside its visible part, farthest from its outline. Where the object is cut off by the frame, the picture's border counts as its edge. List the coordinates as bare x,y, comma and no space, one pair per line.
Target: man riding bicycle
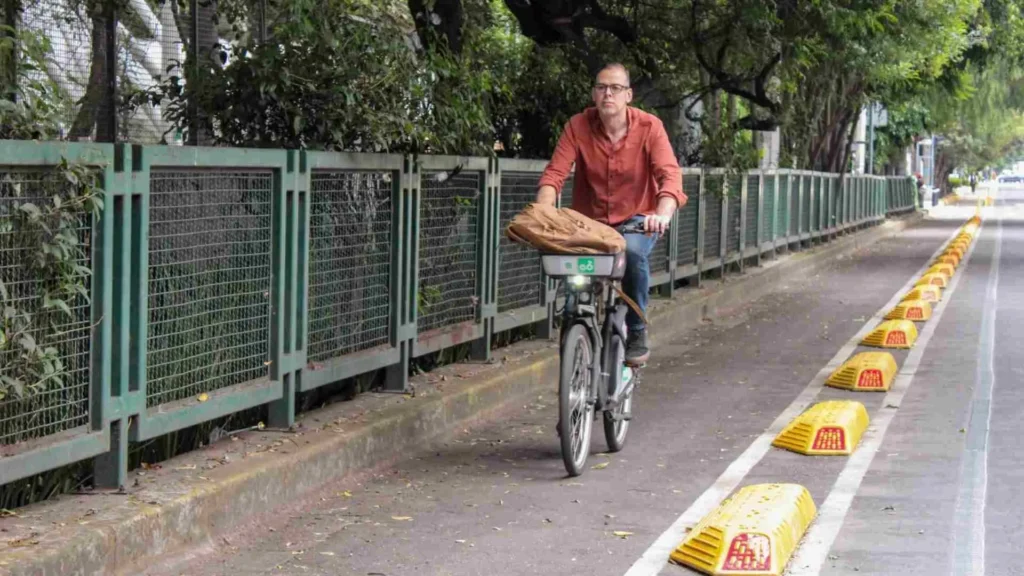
626,173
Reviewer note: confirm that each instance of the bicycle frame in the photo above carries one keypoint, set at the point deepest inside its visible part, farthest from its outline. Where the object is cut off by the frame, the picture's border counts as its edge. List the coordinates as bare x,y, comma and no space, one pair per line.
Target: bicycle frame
582,307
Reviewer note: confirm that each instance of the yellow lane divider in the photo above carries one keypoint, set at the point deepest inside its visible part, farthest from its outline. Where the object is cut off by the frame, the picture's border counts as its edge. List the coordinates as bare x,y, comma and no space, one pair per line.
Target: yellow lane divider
830,428
916,310
867,372
892,334
754,532
939,280
930,294
946,270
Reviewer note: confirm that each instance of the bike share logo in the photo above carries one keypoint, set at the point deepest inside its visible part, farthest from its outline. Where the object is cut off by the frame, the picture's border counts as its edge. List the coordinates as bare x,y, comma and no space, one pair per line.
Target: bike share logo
585,265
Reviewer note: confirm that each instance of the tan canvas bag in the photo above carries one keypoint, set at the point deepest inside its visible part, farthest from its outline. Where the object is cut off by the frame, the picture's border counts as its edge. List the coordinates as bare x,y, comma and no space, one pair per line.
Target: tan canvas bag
563,231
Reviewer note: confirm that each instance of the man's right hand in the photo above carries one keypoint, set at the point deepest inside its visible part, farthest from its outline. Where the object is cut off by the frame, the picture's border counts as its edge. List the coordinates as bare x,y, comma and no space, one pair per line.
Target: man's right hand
547,195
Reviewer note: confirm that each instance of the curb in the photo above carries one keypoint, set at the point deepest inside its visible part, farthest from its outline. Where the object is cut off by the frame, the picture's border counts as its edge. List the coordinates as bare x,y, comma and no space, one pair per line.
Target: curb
178,510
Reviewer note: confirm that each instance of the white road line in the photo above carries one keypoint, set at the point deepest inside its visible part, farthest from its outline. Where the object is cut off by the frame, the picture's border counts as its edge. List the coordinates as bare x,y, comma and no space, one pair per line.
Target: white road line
968,556
656,556
812,553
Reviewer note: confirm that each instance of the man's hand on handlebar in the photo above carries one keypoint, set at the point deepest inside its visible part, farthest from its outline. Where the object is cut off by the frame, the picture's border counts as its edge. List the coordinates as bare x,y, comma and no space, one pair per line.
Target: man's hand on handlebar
656,224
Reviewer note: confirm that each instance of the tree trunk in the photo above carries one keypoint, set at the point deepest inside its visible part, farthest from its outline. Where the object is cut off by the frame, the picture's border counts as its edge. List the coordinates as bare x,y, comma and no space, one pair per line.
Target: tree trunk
443,17
205,60
9,51
92,103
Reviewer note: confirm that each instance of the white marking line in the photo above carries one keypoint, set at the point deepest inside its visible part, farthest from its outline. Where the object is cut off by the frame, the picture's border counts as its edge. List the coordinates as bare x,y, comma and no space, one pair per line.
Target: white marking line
969,514
656,556
812,553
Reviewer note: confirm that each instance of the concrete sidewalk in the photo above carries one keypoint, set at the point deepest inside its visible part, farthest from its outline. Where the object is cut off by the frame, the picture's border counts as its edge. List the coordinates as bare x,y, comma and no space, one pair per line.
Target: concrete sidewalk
202,496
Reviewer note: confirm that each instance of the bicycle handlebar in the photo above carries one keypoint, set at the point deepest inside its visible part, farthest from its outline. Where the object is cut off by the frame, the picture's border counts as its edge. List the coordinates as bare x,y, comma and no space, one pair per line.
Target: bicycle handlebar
635,229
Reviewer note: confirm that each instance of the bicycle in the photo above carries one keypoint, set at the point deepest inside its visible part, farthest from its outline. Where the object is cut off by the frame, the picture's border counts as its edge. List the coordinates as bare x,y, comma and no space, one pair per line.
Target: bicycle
593,373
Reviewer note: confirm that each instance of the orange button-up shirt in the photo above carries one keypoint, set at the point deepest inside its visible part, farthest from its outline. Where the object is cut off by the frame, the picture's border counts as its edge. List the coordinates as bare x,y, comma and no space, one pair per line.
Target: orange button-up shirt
614,182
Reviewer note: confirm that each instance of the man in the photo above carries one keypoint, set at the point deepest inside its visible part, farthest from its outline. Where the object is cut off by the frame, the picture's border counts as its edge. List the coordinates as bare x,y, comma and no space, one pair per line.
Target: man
626,173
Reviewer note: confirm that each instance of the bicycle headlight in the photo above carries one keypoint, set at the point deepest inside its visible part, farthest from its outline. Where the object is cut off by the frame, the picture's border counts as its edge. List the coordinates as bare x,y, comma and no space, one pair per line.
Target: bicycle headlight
579,281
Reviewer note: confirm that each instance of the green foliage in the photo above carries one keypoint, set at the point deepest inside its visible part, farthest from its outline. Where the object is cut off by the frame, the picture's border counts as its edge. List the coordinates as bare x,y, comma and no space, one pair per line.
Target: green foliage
31,107
337,75
46,235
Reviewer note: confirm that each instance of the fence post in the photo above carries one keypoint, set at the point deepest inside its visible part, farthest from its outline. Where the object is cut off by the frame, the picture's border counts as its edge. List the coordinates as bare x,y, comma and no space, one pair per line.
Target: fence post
487,257
293,226
110,313
775,216
761,239
404,274
744,185
799,209
701,209
723,236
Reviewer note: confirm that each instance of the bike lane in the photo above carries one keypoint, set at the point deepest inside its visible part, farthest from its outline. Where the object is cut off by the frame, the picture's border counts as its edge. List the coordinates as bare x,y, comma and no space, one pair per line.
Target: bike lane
494,498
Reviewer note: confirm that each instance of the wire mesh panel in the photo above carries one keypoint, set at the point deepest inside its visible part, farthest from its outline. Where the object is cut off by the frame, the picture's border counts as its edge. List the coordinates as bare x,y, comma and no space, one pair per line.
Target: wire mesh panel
75,69
659,255
57,404
689,221
753,182
735,206
350,248
567,192
713,216
448,248
209,281
520,278
794,205
151,43
768,209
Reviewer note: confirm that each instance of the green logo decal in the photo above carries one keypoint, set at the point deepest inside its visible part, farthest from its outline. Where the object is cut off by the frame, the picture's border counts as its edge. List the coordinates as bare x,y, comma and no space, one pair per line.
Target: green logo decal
585,265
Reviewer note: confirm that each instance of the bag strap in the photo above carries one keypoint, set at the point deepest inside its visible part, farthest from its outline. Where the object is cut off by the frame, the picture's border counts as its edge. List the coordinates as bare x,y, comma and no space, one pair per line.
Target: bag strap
629,302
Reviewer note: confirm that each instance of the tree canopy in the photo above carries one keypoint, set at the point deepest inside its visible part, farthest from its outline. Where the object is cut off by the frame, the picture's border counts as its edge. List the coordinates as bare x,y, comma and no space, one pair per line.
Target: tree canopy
475,76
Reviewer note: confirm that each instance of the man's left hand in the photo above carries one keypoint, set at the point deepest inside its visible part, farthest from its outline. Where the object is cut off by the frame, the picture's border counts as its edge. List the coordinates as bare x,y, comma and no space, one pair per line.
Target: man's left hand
655,224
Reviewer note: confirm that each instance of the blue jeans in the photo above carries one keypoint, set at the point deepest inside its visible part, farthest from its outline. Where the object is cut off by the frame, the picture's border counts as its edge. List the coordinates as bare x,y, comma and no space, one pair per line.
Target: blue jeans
637,281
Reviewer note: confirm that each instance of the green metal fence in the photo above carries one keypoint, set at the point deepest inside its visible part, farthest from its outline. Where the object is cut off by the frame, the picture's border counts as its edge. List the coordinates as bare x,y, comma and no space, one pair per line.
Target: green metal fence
224,279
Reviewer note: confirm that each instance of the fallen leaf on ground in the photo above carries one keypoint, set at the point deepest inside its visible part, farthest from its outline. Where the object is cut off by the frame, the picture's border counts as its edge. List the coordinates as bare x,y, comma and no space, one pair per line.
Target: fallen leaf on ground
622,534
600,466
203,397
401,518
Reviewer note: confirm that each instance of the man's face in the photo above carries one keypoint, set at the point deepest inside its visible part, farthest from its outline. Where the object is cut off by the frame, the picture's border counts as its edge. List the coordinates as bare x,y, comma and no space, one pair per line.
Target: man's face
608,102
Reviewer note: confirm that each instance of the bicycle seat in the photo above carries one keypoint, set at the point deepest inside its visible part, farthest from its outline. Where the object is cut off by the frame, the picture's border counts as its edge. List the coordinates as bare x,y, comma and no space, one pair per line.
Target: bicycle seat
602,265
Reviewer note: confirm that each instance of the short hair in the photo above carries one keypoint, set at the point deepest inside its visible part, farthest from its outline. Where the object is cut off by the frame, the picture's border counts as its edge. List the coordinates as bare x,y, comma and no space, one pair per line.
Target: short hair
617,66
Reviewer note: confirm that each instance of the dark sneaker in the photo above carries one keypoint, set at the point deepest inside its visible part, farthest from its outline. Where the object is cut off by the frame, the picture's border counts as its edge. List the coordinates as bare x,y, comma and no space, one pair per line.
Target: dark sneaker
637,352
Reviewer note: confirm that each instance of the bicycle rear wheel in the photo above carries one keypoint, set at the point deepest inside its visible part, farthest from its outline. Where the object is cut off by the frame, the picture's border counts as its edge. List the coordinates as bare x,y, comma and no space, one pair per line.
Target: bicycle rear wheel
615,426
575,411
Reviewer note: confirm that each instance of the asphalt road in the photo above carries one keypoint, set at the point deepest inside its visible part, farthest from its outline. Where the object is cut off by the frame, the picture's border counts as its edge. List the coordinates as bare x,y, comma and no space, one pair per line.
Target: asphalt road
932,490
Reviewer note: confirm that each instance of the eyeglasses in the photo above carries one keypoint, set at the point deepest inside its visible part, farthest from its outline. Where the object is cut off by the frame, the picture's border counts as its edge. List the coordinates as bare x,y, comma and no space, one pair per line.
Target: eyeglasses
615,89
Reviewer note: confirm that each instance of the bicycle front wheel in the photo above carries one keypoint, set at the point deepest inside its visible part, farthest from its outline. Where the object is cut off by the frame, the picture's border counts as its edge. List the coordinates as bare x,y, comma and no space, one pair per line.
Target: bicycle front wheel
575,411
